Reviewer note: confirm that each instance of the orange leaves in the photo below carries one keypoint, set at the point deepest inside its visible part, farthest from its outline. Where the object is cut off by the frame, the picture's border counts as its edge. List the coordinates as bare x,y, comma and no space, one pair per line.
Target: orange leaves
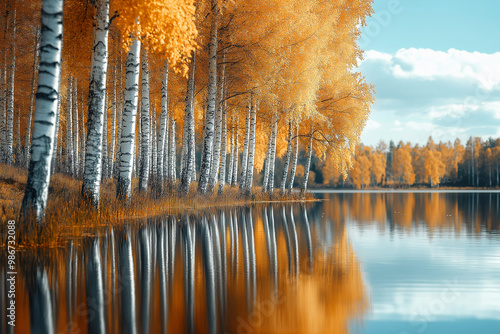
167,26
402,164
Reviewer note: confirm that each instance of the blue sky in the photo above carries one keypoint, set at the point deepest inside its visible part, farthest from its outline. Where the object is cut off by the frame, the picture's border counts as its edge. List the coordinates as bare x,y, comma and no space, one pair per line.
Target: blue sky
435,65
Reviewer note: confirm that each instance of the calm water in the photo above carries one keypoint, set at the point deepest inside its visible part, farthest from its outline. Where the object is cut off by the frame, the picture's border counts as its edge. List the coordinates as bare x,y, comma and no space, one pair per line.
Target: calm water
355,263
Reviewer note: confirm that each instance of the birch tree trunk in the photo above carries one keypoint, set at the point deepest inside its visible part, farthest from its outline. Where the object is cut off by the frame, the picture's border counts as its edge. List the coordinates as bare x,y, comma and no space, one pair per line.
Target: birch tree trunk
251,149
104,150
82,135
10,93
214,166
68,147
76,135
267,161
18,139
188,137
287,159
231,158
307,167
3,96
163,124
47,97
166,147
273,156
294,161
32,98
56,136
119,118
127,149
111,162
208,131
235,154
96,110
244,157
222,171
144,166
172,157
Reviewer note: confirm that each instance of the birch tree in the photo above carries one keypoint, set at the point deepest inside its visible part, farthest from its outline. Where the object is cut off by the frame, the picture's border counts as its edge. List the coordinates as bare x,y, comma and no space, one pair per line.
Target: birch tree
208,131
188,145
244,156
10,92
76,144
307,167
287,159
47,97
163,124
214,166
222,171
145,129
231,158
68,147
294,160
32,98
234,181
127,148
97,97
251,149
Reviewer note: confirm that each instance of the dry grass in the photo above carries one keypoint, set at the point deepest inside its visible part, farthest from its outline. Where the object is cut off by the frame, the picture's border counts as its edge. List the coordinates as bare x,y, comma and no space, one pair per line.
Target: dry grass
68,217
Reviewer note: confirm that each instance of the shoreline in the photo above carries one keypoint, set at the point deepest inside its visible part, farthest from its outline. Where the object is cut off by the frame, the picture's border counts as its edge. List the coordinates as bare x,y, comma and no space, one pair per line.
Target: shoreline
68,217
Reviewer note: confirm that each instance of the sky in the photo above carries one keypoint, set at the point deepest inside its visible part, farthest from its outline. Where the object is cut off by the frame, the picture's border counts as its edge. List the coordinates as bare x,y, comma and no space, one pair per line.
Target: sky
435,66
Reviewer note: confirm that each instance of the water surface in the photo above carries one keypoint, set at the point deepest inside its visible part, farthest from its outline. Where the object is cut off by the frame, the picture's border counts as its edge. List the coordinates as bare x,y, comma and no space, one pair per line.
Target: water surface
353,263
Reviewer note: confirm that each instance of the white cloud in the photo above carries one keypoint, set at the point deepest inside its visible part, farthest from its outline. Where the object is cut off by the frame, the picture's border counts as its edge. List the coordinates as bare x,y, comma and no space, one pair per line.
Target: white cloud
423,92
426,64
372,125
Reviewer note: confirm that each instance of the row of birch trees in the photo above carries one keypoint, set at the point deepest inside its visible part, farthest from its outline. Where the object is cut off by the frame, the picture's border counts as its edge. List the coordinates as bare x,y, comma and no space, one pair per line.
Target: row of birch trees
189,94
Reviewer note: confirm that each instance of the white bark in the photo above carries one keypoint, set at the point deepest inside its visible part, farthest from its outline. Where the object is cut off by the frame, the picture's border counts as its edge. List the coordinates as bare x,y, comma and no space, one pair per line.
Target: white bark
97,105
47,97
68,147
287,159
76,135
267,160
163,124
251,149
222,171
104,162
214,166
82,135
188,137
55,152
172,157
244,157
272,163
145,129
208,131
32,98
113,128
17,150
235,154
294,160
127,149
231,158
10,93
307,167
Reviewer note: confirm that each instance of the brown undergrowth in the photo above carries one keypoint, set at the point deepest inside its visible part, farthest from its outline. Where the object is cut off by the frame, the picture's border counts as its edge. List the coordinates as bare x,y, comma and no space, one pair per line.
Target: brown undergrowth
69,217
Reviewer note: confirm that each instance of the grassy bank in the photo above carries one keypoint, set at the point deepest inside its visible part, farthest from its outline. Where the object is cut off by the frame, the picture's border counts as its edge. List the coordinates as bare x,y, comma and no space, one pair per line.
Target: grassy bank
68,216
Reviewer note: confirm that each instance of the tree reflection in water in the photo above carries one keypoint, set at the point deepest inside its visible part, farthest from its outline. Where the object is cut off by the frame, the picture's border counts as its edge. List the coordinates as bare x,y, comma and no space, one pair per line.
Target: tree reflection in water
257,270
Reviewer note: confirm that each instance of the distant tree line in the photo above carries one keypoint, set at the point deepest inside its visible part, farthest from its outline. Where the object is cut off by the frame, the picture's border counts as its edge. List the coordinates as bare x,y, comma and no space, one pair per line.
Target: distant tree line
475,164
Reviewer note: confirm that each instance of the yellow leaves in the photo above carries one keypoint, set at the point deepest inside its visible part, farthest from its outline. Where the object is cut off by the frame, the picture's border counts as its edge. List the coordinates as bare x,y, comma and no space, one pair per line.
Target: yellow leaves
167,27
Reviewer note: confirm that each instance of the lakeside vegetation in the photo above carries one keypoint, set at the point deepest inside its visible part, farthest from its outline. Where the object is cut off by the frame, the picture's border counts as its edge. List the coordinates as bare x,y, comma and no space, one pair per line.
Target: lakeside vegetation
68,216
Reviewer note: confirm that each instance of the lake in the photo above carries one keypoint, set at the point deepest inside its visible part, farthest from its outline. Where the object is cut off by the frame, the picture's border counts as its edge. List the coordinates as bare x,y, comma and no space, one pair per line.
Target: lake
355,262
